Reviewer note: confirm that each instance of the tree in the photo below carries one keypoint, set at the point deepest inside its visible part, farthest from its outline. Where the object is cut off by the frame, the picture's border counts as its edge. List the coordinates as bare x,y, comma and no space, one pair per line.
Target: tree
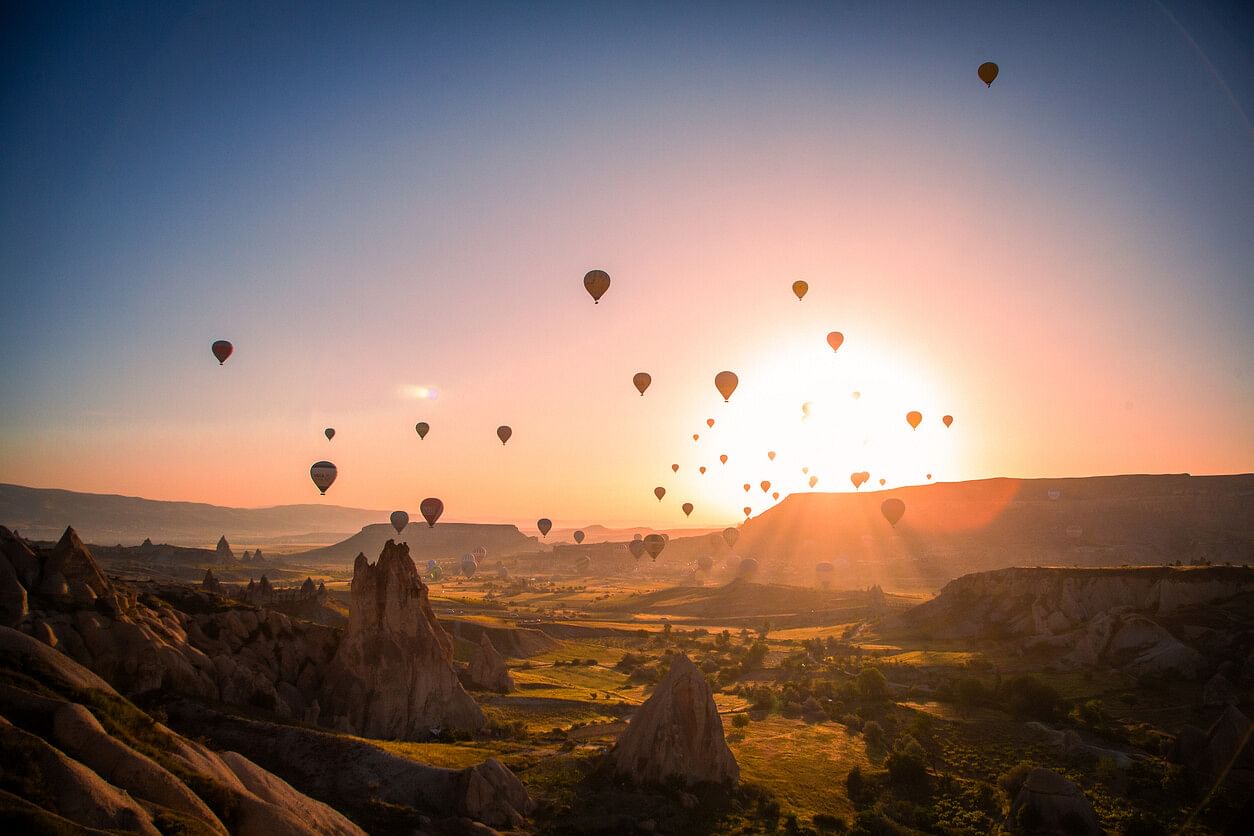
907,763
872,684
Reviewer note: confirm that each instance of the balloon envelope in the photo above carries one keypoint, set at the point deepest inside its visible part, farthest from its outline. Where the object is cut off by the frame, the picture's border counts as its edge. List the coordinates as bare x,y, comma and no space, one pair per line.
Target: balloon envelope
687,509
422,428
544,524
674,468
914,418
654,544
775,495
596,282
659,492
834,339
222,349
765,486
771,455
726,383
431,509
948,420
747,510
579,535
814,480
503,432
748,567
701,470
636,547
892,509
747,487
709,422
641,381
323,474
730,536
329,432
800,288
987,73
399,520
723,458
705,563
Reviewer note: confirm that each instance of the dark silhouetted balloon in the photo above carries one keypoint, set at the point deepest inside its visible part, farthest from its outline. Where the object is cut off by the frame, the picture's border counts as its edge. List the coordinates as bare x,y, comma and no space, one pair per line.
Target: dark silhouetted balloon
544,524
948,420
835,339
705,563
636,547
987,72
431,509
730,536
503,432
914,418
222,349
929,476
642,381
596,282
399,520
579,535
659,492
468,565
323,474
422,428
748,567
653,544
726,383
329,432
892,509
800,288
687,509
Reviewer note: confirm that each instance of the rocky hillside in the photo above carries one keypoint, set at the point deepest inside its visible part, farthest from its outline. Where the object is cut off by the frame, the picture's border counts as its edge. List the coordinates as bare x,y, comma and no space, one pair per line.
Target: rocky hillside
446,540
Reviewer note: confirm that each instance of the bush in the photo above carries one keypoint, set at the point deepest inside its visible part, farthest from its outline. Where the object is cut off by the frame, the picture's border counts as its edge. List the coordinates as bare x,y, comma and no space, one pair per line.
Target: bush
827,823
872,685
855,785
1029,698
907,763
874,733
740,721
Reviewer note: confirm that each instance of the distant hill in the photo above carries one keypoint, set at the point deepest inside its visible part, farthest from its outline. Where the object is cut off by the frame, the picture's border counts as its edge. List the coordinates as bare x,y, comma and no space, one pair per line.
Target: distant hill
43,513
950,529
446,540
603,534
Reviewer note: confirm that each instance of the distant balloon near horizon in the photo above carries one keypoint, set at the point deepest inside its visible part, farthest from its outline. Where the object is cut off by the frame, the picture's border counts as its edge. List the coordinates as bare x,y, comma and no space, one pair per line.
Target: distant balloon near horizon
893,509
222,349
422,428
544,524
770,454
329,432
687,509
431,509
748,511
988,73
636,547
399,520
726,383
948,421
696,436
654,544
730,536
596,282
747,487
800,289
701,470
723,458
775,495
929,477
641,381
504,433
835,339
814,480
748,567
709,422
765,486
914,418
883,482
674,468
659,492
480,553
323,475
579,536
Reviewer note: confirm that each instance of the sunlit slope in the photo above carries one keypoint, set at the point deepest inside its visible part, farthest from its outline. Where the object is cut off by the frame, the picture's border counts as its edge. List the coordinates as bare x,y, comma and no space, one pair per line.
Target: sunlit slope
444,541
952,528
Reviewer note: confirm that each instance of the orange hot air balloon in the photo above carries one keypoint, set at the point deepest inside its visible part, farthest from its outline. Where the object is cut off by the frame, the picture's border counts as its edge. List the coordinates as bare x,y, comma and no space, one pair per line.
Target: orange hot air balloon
687,509
653,544
892,509
642,381
730,536
765,486
948,421
636,547
771,455
659,492
856,478
701,470
596,282
929,477
723,458
748,510
775,495
222,349
882,481
747,487
800,288
914,418
323,474
579,535
805,410
805,470
674,468
422,428
544,524
814,480
726,383
987,73
696,436
503,432
834,339
329,432
856,395
431,509
709,422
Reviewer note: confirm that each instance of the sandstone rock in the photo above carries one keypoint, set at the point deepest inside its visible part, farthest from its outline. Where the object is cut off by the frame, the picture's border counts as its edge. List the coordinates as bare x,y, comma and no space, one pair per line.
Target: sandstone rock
21,557
488,669
223,551
317,816
1051,804
392,676
677,733
12,595
29,652
73,561
211,583
1219,691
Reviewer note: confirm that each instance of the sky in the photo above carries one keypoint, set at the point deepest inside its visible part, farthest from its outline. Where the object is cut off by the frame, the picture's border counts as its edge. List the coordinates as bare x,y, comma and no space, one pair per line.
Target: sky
389,209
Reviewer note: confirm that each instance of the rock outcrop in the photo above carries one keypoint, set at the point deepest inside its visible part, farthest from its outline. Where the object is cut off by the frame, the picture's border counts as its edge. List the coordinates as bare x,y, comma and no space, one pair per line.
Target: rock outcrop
223,551
1223,751
488,670
677,734
1049,803
393,674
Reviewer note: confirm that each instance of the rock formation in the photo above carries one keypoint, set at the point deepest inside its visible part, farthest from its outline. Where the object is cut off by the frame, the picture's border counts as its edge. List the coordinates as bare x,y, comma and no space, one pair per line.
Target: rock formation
393,674
223,551
1224,750
488,670
677,733
211,583
1219,690
1049,803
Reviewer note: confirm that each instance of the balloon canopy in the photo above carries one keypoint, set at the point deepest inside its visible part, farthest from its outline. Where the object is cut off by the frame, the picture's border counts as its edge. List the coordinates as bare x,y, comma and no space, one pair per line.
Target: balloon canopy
988,73
596,282
399,520
323,474
726,383
222,349
431,509
641,381
422,428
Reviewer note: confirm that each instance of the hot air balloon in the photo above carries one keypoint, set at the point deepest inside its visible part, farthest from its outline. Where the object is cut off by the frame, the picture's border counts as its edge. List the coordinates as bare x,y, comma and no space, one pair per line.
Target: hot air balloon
659,492
775,495
855,395
765,486
636,547
709,422
468,566
596,282
987,72
329,432
687,509
701,470
503,432
222,349
748,567
747,510
730,536
914,418
399,520
771,455
814,480
674,468
323,474
654,544
892,509
747,487
834,339
642,381
480,553
705,563
805,410
723,458
431,509
948,420
696,436
579,535
882,481
856,478
422,428
726,383
800,288
929,477
544,524
805,470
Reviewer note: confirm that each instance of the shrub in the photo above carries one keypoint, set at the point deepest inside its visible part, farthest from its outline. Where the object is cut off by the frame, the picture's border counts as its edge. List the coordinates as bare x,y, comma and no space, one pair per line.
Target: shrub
827,823
872,685
855,785
874,733
739,721
907,763
1027,697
